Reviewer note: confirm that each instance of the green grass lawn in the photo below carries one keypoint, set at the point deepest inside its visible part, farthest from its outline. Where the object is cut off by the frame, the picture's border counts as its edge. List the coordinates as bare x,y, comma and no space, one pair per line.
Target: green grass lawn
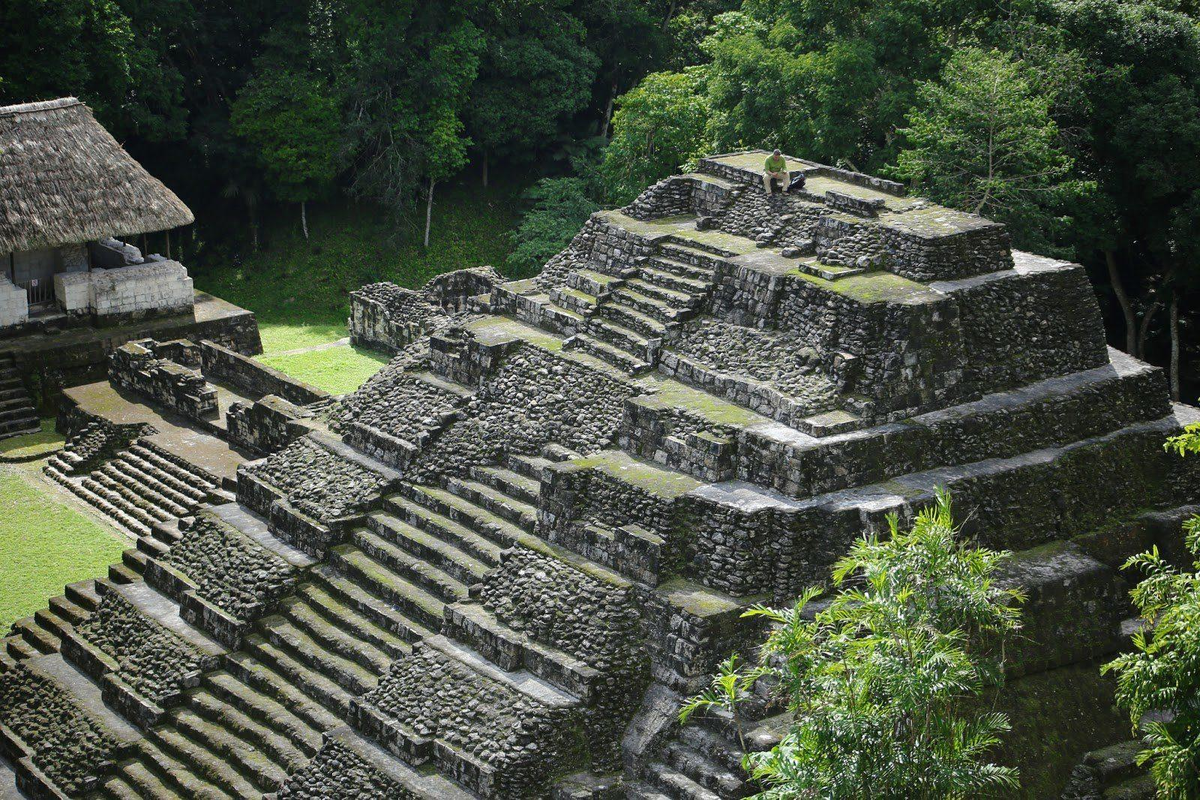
45,545
337,370
32,446
300,289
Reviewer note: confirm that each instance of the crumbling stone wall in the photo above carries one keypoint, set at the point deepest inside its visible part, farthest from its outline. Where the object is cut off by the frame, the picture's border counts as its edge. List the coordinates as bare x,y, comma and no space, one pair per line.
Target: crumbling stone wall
336,772
254,377
317,481
667,198
268,424
1024,328
533,399
154,662
524,743
64,743
229,569
389,317
599,623
138,367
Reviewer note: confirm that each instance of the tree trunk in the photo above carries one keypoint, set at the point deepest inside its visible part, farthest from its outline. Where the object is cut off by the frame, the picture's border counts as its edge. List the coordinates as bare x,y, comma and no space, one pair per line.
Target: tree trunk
1175,347
304,218
429,211
670,14
167,234
1114,280
485,168
608,110
1144,330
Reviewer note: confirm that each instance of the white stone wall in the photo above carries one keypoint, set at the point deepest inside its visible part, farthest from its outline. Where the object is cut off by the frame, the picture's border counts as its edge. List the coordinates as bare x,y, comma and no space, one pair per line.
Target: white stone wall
14,305
161,287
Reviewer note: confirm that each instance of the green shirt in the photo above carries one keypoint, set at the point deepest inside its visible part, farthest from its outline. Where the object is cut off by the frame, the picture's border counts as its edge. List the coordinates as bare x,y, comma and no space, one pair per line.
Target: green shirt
776,164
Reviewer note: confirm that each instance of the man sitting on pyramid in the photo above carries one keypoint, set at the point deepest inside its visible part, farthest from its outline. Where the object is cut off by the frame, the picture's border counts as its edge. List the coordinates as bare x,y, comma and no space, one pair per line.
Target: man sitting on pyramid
776,167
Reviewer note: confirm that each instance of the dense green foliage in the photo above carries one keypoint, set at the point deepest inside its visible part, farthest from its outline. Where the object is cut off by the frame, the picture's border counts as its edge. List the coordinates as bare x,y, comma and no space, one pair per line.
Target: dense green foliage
1075,121
658,127
1158,683
560,207
880,679
982,138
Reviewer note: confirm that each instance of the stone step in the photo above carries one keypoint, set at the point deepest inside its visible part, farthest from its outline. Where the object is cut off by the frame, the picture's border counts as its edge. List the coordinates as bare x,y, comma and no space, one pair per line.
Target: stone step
308,682
677,283
186,476
121,574
661,303
280,687
277,747
693,252
621,359
200,761
83,594
430,577
14,392
675,784
502,505
717,747
621,337
411,600
220,743
135,560
511,650
261,707
640,791
71,612
592,282
19,423
122,496
155,774
117,515
307,650
574,300
446,557
451,507
529,466
362,626
415,511
627,316
334,591
35,636
116,506
52,623
706,772
162,484
144,487
508,482
17,648
684,263
332,637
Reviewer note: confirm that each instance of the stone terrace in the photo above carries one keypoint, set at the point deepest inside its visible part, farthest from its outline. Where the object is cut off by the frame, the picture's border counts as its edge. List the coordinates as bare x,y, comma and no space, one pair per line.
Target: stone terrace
497,568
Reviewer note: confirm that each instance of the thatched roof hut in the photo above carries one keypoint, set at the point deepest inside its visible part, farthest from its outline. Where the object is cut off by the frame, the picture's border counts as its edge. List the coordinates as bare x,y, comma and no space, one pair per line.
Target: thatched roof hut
65,180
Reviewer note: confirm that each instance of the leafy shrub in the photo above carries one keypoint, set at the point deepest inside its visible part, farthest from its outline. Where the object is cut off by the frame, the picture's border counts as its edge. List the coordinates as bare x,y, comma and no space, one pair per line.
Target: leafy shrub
880,680
1159,682
560,207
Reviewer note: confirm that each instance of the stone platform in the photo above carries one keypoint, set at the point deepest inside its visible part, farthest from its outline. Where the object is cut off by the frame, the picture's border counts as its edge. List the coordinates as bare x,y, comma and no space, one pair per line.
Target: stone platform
77,355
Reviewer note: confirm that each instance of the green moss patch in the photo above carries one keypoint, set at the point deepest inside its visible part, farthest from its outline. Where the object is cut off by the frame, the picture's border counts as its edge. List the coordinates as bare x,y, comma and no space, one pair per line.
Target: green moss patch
45,545
874,287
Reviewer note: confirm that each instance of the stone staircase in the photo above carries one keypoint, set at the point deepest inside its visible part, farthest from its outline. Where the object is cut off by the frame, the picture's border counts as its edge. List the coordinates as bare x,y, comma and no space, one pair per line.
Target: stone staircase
703,760
42,632
138,488
18,414
623,320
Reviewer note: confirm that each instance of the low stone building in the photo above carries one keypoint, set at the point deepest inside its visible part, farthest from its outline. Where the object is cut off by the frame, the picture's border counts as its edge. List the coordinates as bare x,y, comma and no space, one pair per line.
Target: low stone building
67,188
70,289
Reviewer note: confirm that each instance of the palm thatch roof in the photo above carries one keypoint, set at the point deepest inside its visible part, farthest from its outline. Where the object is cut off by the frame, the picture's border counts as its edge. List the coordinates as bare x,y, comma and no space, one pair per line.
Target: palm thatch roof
65,180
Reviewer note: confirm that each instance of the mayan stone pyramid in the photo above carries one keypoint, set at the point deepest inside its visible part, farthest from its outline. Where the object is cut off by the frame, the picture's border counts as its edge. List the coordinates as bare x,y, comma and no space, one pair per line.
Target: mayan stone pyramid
496,569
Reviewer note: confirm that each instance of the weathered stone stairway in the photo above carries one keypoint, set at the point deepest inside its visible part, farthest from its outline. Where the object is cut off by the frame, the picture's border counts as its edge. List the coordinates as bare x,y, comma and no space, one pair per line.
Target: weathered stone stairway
17,411
139,488
262,715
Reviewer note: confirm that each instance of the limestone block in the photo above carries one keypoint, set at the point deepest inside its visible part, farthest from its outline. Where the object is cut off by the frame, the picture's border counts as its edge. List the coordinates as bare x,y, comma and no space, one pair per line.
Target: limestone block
14,304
